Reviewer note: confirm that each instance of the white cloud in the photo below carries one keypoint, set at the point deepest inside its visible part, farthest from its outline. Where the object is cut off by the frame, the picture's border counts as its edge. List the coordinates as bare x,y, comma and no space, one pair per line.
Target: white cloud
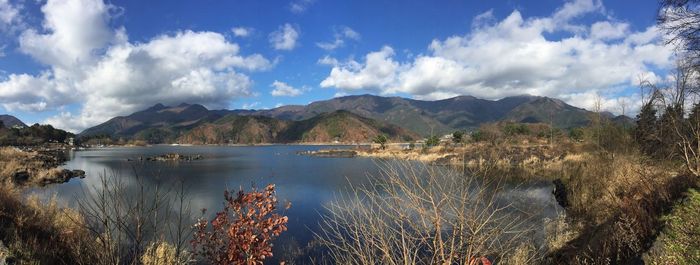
340,35
282,89
9,15
95,66
76,30
241,31
285,37
300,6
378,71
514,56
251,105
327,60
605,30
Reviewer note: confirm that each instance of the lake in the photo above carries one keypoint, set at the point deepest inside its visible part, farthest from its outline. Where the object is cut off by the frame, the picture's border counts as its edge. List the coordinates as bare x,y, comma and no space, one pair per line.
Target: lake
307,182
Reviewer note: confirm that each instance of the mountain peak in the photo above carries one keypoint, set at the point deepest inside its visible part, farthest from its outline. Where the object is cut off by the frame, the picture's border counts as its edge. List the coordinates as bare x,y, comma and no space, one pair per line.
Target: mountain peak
156,107
9,121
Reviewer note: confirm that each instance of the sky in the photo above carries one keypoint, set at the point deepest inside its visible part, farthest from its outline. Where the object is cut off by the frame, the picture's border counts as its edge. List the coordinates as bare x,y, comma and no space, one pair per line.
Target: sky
77,63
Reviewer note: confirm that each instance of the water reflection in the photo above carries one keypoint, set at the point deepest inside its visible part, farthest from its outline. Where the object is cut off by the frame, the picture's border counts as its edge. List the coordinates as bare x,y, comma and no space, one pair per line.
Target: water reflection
307,182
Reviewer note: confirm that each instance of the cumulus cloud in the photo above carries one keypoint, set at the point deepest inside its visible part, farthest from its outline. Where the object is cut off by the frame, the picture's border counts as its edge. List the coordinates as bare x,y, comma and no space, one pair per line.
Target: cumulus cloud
340,35
300,6
241,31
91,64
283,89
515,56
285,37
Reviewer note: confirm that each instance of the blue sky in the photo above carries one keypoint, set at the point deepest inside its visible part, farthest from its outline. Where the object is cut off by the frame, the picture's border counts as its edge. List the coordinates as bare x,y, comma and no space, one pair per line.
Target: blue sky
77,63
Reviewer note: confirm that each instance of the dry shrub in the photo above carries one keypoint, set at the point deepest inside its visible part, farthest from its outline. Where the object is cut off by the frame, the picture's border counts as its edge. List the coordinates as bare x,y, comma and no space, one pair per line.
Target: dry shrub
163,253
558,232
242,233
125,216
40,232
418,214
619,200
524,254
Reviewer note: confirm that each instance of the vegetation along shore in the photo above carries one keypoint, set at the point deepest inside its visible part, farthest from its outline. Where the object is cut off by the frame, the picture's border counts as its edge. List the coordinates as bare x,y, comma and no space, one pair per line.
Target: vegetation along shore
510,178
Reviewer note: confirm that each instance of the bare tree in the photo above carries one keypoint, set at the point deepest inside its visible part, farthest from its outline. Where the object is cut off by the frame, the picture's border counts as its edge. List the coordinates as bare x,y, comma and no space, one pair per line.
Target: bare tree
416,214
622,103
680,19
679,131
127,217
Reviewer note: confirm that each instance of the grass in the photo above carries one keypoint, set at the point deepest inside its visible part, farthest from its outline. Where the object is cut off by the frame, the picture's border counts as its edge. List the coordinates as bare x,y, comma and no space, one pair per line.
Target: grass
39,232
679,242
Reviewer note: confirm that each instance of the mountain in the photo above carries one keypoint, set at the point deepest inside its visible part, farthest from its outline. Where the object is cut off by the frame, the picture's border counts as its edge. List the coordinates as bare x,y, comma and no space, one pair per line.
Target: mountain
156,124
440,116
10,121
194,124
340,126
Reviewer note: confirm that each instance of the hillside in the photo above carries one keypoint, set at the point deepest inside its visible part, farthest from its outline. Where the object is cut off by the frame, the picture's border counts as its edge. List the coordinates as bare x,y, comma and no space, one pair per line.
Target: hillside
342,126
10,121
194,124
157,124
440,116
234,129
338,126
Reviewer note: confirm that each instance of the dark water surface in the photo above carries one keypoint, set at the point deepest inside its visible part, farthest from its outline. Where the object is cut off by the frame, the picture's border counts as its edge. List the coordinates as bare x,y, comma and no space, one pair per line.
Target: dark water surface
307,182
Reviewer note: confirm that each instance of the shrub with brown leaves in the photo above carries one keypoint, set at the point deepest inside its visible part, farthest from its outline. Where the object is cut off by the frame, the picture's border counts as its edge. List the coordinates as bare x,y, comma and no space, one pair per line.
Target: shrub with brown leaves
242,233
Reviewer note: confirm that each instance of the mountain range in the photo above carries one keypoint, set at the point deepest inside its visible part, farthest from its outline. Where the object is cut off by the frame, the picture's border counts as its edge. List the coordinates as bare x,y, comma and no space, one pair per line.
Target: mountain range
443,116
343,119
194,124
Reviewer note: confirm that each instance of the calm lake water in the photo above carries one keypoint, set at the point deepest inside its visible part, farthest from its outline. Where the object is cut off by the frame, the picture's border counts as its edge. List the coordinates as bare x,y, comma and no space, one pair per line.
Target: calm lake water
307,182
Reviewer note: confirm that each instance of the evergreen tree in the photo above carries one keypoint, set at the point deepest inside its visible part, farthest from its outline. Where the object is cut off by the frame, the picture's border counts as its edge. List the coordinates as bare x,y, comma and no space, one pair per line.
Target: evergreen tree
645,133
670,125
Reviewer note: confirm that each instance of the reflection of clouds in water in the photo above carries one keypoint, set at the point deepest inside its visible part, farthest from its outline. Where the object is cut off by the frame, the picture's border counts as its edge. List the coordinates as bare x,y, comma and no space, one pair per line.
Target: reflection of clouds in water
307,182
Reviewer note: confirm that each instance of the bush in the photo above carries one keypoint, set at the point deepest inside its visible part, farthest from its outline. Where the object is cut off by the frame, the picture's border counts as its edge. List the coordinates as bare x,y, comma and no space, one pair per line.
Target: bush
381,140
242,233
576,134
432,141
513,129
418,214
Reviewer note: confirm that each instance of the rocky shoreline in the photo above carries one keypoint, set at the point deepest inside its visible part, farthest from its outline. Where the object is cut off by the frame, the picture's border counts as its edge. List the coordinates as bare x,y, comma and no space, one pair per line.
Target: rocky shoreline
35,166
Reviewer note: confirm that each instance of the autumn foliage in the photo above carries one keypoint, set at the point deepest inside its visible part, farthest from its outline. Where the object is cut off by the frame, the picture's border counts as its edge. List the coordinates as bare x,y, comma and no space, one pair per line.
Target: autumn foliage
242,233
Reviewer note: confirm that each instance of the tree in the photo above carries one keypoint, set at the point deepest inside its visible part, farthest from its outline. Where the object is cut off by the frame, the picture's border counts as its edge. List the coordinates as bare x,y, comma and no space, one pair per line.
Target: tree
680,19
678,136
433,140
576,134
457,137
381,140
645,133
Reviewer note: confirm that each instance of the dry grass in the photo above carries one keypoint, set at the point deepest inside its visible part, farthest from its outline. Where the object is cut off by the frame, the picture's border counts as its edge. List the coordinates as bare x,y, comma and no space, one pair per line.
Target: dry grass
39,232
40,168
616,201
